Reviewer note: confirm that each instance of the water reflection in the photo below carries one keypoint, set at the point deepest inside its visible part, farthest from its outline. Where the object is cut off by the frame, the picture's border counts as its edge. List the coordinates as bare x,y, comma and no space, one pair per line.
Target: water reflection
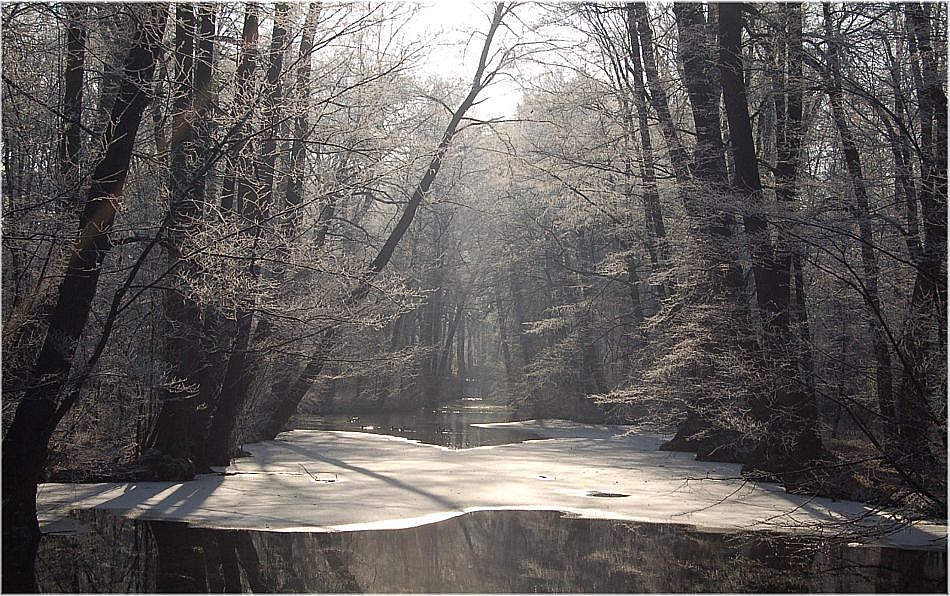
488,551
448,425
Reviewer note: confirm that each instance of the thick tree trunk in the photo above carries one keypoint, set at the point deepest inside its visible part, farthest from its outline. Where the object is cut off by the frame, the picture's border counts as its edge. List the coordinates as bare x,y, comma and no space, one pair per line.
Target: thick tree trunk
289,392
178,428
298,151
183,418
237,168
26,443
773,307
204,96
789,130
703,88
790,414
715,227
273,98
220,441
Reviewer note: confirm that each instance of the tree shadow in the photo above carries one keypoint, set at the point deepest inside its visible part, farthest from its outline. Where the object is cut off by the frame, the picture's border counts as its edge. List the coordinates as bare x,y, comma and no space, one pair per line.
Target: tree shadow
314,455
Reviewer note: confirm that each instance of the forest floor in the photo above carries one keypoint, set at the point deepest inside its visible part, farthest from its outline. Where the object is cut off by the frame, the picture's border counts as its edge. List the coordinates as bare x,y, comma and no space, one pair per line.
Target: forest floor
341,481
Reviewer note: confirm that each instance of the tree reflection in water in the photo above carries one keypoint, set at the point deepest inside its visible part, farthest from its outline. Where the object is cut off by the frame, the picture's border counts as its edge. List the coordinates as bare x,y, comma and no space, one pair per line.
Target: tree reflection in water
487,551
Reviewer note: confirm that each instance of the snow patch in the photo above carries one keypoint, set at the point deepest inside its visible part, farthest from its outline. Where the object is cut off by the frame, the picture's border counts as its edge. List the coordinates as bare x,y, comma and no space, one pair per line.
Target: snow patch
346,481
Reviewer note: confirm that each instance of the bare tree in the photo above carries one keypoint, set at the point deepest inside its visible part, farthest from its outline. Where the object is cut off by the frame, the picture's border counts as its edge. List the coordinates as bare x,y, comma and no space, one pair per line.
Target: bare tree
26,442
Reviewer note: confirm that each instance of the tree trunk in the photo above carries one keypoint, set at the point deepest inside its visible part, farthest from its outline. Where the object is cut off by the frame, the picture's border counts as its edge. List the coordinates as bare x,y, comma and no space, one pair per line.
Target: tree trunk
26,443
793,442
71,140
204,96
178,426
220,442
460,350
790,257
183,418
884,377
500,313
298,151
238,167
715,226
444,363
273,97
927,324
703,89
651,195
658,98
518,305
591,367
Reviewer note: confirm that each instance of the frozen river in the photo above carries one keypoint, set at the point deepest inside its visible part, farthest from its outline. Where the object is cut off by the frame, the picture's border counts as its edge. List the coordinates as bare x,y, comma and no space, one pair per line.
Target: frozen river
571,508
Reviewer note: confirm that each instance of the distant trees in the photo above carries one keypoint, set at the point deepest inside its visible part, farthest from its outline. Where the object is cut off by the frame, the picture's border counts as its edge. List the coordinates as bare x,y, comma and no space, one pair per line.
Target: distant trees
290,395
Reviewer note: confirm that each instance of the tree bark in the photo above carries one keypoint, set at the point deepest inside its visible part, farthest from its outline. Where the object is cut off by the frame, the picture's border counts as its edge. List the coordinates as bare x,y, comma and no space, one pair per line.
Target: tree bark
273,97
183,419
715,226
444,361
651,195
221,441
178,428
204,95
298,150
703,88
237,168
789,130
460,350
500,313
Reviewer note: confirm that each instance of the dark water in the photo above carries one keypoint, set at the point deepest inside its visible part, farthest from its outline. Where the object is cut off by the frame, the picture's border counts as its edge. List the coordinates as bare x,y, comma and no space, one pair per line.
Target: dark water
448,425
488,551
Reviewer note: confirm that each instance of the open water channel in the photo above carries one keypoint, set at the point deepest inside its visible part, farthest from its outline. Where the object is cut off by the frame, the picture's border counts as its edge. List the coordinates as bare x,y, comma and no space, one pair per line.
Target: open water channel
483,551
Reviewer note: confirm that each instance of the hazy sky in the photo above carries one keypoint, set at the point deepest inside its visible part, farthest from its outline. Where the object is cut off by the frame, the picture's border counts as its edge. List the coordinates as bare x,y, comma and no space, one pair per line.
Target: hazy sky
455,55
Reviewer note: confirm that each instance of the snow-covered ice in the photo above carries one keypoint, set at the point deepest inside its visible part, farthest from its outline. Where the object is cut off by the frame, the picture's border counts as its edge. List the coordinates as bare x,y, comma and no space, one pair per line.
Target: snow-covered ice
342,481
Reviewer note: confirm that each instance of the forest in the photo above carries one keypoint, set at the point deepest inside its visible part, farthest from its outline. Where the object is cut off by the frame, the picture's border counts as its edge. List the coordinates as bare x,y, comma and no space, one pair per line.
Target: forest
723,223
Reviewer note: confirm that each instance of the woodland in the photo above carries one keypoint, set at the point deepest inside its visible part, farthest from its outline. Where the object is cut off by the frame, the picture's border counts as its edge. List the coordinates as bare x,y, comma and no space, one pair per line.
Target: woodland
727,222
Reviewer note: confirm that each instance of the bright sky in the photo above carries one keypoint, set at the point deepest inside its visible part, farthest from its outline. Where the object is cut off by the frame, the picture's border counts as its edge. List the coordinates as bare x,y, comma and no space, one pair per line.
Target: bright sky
455,55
